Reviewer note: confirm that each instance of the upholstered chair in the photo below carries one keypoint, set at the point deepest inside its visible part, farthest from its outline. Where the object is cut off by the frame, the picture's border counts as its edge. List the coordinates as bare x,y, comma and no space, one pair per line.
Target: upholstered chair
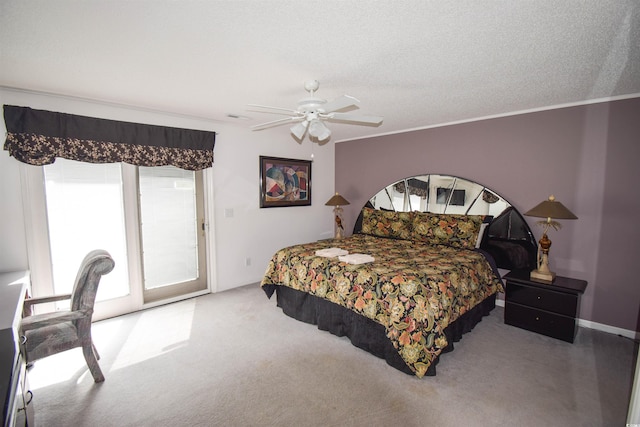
50,333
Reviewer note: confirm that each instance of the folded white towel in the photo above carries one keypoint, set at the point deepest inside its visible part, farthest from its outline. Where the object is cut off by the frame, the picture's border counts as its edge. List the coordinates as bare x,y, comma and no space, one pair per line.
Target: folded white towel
356,258
331,252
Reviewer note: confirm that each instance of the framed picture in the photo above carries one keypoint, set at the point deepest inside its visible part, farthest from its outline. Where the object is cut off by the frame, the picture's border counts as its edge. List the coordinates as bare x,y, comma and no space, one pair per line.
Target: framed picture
284,182
443,195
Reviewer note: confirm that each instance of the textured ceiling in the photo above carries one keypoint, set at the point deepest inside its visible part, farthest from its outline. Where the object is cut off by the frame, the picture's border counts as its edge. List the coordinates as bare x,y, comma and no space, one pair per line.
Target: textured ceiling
416,63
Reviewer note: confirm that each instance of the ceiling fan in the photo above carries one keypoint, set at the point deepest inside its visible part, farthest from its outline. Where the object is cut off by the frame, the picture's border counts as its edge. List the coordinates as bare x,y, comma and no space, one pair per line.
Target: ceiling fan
312,112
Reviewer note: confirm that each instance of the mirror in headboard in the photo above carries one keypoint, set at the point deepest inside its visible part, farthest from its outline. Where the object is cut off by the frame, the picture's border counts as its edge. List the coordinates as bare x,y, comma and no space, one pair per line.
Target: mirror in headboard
507,238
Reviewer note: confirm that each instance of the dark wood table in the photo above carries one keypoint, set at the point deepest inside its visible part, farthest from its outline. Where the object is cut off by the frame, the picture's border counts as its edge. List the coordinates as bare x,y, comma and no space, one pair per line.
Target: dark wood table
17,409
546,308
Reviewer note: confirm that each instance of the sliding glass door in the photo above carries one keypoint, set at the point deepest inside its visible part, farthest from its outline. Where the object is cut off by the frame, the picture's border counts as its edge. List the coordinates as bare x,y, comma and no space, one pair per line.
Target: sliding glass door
150,219
85,211
172,231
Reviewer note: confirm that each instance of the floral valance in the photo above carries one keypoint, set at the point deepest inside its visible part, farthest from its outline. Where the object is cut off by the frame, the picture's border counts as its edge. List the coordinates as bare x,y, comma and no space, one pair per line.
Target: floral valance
416,187
37,137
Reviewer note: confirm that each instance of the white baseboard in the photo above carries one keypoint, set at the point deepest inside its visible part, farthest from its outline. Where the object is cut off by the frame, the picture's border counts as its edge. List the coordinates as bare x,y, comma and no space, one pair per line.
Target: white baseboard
609,329
597,326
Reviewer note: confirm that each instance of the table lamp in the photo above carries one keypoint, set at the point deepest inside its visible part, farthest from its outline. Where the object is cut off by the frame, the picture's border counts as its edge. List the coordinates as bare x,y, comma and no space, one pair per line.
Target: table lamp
336,201
552,210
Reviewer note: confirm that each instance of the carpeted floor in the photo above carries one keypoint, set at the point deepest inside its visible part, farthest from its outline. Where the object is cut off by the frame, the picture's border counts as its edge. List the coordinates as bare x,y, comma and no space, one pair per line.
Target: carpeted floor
234,359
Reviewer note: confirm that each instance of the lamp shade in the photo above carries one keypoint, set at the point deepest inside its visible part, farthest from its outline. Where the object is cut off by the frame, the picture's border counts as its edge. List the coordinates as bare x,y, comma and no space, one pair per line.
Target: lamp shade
319,130
551,208
337,200
299,129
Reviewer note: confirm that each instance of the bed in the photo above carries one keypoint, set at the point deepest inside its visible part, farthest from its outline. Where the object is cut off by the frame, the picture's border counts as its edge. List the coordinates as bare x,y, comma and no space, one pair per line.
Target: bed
431,280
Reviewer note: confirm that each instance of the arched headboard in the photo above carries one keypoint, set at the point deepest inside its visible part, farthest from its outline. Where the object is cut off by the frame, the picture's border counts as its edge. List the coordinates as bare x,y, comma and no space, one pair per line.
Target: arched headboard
507,237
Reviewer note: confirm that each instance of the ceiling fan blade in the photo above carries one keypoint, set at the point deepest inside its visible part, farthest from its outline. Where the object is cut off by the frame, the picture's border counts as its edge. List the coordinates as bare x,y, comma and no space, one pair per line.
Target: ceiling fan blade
276,123
354,118
288,110
340,103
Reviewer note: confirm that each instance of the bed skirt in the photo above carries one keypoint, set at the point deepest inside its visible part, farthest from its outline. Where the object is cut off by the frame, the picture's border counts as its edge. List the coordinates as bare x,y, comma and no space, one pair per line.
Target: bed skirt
363,332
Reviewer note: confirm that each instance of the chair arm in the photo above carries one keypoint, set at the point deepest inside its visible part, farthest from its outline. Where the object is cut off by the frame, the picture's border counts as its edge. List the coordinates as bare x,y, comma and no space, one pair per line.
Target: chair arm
27,309
48,319
51,298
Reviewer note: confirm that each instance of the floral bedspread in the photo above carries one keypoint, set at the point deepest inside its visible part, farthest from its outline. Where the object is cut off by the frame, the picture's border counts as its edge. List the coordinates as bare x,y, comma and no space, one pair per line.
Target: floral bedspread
414,290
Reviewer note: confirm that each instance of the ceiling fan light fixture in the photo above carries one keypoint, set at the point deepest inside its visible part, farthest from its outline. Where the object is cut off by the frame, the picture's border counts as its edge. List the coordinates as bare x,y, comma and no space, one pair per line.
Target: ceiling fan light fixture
319,130
311,112
299,129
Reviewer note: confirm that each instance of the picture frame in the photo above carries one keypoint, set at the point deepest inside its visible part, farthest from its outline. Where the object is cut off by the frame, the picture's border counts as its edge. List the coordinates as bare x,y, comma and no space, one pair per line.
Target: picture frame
444,196
284,182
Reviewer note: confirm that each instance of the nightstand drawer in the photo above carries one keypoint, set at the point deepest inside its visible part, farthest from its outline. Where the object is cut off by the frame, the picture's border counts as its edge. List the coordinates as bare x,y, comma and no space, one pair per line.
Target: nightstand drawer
540,321
545,299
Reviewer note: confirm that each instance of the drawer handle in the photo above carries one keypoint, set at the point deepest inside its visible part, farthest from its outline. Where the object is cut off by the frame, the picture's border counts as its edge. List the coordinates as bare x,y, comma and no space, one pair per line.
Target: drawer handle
539,297
537,318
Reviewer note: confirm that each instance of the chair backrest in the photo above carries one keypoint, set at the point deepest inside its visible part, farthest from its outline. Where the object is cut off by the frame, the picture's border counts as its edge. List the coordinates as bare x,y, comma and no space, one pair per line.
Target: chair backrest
94,266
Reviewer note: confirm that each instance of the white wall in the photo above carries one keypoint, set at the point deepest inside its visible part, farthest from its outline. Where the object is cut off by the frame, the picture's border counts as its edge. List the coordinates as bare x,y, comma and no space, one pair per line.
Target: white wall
250,233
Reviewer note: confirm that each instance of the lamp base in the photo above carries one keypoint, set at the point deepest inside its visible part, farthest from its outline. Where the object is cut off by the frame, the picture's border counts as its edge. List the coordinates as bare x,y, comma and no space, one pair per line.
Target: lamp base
542,276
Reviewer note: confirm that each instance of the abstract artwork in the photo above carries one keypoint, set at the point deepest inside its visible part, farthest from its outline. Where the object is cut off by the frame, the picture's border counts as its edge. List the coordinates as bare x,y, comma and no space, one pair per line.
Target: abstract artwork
284,182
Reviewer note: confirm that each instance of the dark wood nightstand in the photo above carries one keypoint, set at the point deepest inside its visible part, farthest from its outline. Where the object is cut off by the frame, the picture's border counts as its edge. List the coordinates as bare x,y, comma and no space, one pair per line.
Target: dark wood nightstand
548,309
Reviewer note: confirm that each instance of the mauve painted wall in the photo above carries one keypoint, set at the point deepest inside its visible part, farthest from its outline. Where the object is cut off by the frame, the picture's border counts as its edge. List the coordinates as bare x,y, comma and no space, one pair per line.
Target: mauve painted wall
587,156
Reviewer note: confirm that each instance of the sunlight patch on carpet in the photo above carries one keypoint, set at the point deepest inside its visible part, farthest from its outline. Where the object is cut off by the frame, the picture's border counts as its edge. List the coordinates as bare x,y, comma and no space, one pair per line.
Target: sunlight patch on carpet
59,368
157,332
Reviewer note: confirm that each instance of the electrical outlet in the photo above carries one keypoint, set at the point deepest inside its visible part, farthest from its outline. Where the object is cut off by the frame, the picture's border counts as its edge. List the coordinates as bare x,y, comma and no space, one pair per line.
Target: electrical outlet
247,262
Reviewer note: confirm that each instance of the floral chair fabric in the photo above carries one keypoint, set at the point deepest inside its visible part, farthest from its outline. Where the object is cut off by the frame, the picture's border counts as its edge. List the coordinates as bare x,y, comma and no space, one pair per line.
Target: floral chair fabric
51,333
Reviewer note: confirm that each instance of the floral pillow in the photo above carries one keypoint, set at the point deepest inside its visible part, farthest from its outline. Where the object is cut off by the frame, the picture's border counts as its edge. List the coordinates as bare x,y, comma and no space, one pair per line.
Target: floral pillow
396,225
459,231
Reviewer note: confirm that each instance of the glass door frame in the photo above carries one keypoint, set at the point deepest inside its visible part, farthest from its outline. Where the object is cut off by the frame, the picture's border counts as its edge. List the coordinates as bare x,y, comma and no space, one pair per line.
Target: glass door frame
39,257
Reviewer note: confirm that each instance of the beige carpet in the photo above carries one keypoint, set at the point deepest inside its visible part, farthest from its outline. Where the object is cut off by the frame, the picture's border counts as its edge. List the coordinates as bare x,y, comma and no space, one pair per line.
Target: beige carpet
234,359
